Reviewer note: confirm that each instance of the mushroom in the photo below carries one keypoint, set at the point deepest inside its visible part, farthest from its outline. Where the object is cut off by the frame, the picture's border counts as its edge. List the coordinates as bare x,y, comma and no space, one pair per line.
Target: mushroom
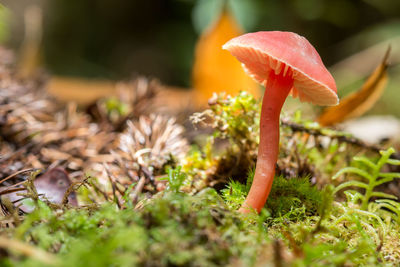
284,62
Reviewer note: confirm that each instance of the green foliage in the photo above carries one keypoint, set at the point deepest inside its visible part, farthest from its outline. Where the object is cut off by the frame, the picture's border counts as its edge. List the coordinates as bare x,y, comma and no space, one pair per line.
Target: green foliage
339,254
175,179
183,230
199,159
320,241
293,198
359,212
172,230
176,229
289,199
326,204
235,192
236,118
372,175
390,205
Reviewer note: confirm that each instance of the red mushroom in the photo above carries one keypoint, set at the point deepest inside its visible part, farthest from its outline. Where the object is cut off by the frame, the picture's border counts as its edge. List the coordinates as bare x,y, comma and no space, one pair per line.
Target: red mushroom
284,62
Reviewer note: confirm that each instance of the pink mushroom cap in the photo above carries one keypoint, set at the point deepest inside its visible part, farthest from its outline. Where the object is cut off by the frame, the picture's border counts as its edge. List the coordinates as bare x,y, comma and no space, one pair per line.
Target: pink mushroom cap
290,54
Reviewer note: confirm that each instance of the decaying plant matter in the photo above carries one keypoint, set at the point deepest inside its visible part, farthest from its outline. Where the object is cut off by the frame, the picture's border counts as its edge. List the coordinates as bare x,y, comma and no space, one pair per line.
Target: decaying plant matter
37,131
141,153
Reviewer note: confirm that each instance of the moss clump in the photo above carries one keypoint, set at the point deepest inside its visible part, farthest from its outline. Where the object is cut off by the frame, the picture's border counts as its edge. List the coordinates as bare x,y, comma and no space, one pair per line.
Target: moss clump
292,198
173,229
288,195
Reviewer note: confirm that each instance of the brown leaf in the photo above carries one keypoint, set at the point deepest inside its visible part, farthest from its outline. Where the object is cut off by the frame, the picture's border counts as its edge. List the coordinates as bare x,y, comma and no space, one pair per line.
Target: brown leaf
357,103
82,91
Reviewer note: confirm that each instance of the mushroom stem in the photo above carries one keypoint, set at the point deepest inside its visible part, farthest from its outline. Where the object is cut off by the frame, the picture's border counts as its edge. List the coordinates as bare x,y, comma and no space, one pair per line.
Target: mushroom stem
277,89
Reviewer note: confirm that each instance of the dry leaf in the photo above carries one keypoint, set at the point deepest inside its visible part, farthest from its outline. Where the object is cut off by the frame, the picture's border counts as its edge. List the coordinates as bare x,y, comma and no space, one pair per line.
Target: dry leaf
142,94
357,103
215,70
82,91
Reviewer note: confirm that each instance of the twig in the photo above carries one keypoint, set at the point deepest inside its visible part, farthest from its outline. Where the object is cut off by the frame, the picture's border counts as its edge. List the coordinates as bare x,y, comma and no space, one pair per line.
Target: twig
341,138
8,191
17,173
109,175
73,187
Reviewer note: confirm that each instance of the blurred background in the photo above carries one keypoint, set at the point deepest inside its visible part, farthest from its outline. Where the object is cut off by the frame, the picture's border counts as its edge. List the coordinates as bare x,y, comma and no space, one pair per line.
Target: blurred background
114,40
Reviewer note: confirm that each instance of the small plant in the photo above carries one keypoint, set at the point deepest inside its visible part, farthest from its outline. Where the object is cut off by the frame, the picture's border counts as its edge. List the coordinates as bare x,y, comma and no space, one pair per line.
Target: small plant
358,208
390,205
372,175
175,179
235,192
235,118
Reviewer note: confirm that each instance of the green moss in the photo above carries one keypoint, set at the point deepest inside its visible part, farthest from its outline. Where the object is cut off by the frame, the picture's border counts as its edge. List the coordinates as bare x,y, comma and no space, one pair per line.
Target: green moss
288,195
292,198
171,230
177,229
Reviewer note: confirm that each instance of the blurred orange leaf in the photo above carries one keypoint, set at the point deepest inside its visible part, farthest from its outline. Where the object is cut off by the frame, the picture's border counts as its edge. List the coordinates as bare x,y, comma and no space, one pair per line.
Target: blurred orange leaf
215,70
86,92
357,103
82,91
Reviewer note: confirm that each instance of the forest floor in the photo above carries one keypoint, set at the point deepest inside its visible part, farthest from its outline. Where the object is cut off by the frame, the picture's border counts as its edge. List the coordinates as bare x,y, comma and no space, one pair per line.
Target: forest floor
142,189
